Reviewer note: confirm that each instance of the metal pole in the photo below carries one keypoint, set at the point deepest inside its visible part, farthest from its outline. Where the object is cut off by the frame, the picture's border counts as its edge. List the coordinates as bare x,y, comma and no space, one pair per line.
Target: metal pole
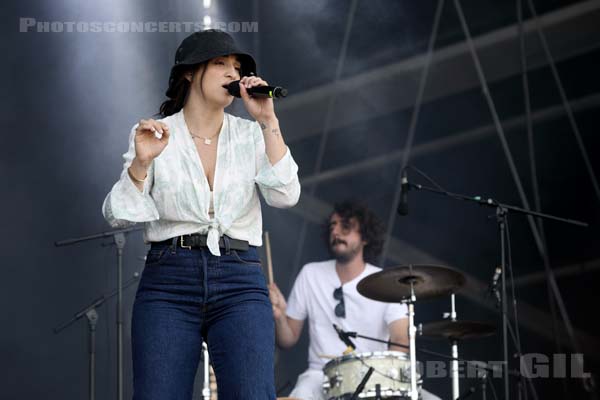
120,243
92,317
412,331
455,384
502,219
206,385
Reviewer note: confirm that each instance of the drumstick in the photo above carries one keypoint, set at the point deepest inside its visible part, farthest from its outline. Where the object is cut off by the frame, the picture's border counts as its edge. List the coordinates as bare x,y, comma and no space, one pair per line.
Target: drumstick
327,356
269,259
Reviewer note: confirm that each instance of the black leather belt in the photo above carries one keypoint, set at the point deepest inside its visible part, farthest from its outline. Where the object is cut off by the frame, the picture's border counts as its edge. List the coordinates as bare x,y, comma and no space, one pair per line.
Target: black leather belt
196,241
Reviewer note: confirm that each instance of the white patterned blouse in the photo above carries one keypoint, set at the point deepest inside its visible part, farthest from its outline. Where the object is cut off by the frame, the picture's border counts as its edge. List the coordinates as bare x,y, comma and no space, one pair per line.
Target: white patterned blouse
176,196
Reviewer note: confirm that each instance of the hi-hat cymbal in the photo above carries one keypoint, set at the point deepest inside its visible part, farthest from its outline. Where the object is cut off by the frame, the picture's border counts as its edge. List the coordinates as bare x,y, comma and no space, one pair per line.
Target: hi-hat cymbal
393,285
457,330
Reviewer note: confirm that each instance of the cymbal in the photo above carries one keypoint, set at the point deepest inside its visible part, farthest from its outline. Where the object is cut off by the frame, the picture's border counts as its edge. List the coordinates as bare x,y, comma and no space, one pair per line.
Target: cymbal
457,330
392,285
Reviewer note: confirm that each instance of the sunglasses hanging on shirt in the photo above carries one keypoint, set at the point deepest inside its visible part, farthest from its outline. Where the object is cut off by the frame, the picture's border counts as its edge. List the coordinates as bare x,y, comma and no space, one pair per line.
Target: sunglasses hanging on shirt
340,308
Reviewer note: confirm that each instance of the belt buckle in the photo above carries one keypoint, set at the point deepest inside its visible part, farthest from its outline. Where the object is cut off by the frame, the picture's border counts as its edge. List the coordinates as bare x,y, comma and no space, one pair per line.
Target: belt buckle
182,245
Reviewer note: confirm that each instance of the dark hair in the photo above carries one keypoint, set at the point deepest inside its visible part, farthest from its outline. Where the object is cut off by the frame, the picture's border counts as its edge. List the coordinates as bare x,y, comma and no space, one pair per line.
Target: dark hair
182,87
370,226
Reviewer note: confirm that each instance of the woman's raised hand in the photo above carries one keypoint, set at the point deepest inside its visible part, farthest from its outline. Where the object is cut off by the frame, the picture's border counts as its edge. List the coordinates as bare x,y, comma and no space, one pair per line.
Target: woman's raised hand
147,145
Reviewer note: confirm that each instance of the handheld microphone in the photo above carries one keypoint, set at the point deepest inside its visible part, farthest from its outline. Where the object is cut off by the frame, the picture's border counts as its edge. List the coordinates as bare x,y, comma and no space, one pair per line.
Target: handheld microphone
404,188
344,338
258,91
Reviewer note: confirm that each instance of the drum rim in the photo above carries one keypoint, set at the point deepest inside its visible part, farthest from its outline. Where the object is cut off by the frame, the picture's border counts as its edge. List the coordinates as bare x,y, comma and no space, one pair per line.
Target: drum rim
368,354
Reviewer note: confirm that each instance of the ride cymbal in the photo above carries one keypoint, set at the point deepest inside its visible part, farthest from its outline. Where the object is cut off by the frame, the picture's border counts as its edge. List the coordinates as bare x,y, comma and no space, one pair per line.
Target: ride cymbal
393,285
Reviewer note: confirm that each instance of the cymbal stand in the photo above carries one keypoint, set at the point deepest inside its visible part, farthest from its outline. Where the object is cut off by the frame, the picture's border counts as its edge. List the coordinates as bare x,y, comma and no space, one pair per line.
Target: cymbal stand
412,333
206,361
454,368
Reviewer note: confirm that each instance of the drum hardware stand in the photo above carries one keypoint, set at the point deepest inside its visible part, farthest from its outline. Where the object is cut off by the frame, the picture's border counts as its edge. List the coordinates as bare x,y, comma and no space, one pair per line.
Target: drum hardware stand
92,316
412,332
454,363
378,391
362,384
484,378
502,211
206,383
119,241
454,368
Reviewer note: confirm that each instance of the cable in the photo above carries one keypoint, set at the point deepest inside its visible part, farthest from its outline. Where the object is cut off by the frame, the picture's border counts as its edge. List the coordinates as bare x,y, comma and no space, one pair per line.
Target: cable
434,183
430,180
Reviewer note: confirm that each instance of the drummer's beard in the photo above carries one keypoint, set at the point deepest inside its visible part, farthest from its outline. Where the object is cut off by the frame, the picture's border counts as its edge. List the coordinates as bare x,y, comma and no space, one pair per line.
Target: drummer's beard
345,254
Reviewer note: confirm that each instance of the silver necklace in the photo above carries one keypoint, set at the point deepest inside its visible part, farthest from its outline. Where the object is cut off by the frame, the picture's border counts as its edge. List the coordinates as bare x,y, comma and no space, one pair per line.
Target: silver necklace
207,140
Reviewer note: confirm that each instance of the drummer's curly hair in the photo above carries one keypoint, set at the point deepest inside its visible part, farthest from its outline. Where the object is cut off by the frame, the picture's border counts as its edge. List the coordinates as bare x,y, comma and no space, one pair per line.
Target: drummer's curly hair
371,228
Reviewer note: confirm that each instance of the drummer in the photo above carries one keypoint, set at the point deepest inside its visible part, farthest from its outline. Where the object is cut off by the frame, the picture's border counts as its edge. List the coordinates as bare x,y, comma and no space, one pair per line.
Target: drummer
325,293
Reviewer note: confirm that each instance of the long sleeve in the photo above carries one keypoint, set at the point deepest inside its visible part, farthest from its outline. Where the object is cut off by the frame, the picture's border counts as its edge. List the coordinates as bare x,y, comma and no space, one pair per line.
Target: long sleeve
125,204
278,183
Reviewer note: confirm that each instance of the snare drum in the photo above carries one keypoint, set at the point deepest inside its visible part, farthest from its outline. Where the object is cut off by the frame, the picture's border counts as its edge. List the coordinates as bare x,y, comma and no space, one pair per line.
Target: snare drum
391,373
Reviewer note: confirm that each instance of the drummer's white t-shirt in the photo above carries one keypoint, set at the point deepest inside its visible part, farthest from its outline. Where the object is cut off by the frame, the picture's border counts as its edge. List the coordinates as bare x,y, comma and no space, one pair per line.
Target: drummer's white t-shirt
312,298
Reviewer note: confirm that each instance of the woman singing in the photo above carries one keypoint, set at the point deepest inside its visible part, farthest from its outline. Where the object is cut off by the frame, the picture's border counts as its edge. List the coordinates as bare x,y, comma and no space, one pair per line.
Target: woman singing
192,178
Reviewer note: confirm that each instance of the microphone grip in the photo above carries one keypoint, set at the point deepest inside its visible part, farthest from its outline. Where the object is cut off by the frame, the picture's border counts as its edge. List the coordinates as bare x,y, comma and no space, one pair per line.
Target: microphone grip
268,91
258,91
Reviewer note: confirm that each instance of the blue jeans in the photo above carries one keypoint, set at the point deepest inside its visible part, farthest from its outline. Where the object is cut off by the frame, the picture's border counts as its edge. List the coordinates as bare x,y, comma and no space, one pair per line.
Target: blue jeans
186,296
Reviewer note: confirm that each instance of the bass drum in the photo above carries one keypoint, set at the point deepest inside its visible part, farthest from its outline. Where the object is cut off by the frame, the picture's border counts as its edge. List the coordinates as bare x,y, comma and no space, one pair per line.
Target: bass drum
391,373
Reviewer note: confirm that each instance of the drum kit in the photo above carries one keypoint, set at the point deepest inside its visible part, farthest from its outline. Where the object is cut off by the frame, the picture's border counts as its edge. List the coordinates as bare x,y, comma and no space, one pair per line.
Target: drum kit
392,374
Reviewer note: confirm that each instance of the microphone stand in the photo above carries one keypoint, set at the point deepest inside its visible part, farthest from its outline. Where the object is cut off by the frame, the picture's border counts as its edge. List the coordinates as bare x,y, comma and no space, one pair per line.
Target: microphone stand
502,211
118,236
92,316
495,204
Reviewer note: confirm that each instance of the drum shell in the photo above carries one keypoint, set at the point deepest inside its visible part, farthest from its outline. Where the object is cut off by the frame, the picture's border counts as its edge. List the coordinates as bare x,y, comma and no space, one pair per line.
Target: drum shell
392,372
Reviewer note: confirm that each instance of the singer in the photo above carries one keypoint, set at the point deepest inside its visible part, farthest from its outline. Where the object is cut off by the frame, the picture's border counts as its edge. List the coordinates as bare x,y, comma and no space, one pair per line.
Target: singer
192,177
325,293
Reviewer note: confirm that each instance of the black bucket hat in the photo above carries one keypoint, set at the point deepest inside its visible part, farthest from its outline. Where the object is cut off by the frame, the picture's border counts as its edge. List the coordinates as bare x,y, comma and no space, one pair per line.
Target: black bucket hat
203,46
